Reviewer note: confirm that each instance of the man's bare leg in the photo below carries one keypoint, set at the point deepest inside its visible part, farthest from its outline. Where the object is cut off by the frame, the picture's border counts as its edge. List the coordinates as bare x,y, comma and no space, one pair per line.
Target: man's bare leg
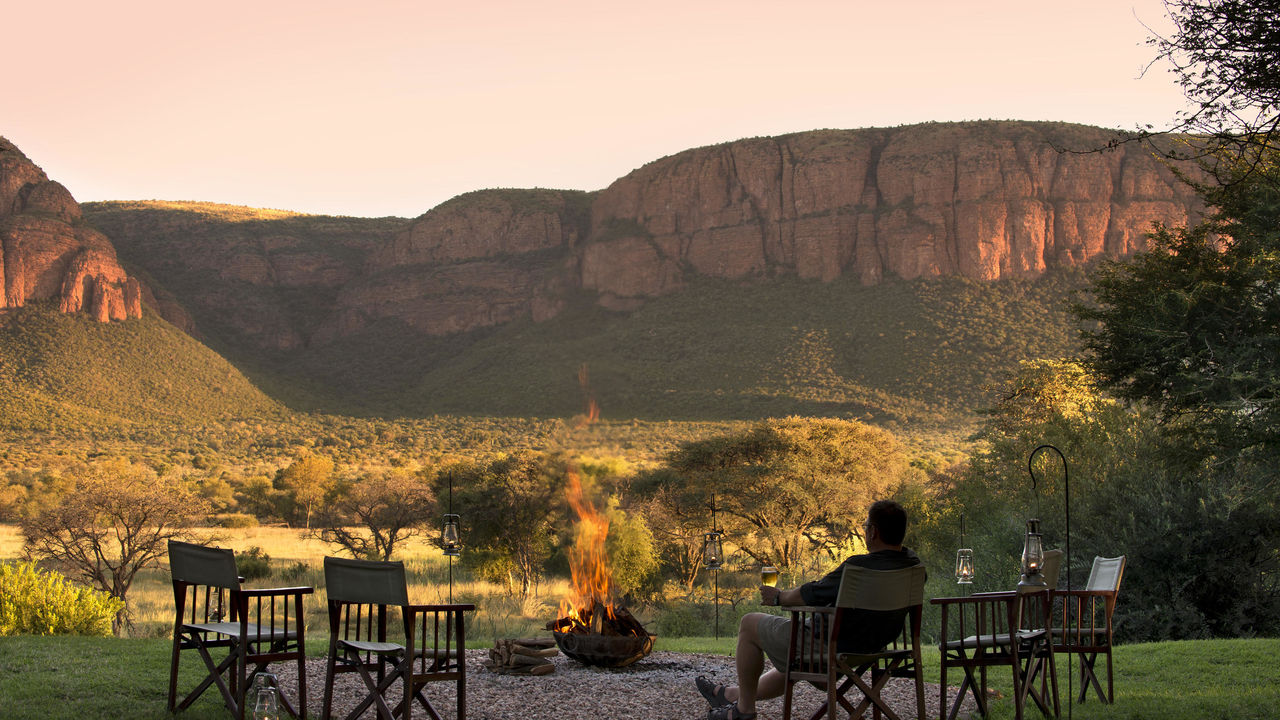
752,684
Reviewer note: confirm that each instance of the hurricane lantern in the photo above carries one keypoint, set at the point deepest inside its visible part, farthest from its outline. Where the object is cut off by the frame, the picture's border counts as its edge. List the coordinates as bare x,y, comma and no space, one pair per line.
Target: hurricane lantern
964,560
1032,559
712,555
964,566
449,536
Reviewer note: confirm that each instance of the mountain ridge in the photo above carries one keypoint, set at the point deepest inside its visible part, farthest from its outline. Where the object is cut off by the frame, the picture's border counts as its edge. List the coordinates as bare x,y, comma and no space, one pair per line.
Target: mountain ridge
491,301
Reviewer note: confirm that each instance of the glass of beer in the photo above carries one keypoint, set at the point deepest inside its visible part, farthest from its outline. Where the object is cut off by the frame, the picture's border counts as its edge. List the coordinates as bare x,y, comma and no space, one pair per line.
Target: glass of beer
769,576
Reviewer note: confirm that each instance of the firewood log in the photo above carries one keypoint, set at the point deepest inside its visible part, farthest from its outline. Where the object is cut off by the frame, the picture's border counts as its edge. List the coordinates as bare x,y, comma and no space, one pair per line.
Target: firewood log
526,660
517,649
536,642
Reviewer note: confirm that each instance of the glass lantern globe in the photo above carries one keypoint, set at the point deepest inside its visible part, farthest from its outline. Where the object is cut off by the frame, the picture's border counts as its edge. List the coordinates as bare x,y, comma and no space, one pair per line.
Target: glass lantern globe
964,566
1032,559
712,555
449,536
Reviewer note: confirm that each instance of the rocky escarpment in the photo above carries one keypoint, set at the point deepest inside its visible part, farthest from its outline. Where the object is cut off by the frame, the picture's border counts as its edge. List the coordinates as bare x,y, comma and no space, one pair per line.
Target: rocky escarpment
254,279
478,260
985,200
47,252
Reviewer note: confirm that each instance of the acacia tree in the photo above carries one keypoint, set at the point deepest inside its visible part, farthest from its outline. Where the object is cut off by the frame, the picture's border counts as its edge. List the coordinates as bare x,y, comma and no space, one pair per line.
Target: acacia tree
113,521
370,516
307,481
789,490
678,518
509,509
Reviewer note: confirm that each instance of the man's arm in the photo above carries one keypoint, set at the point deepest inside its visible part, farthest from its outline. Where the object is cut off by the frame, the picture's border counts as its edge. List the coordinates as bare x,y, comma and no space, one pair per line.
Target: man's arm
774,596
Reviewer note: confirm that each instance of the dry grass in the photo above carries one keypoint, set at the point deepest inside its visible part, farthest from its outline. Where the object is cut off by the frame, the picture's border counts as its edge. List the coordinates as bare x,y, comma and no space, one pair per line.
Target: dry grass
298,560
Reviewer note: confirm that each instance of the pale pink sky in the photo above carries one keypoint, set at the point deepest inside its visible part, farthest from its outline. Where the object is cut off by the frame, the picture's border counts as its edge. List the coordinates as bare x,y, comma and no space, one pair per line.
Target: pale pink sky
386,107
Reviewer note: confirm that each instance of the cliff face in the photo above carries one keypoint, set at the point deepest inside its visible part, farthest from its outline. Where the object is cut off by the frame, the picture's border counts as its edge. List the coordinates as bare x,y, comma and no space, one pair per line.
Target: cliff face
256,279
478,260
986,200
982,200
47,252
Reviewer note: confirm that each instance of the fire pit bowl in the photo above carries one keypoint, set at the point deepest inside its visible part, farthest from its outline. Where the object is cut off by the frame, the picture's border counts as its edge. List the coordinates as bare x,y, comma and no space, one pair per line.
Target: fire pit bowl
608,651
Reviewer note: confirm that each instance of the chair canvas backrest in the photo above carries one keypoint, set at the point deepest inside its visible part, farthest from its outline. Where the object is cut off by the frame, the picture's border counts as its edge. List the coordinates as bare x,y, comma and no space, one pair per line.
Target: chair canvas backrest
202,565
866,589
1106,574
365,582
1052,568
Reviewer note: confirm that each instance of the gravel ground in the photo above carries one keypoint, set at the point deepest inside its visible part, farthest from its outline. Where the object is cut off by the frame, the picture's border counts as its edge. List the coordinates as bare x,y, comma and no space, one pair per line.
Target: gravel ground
660,687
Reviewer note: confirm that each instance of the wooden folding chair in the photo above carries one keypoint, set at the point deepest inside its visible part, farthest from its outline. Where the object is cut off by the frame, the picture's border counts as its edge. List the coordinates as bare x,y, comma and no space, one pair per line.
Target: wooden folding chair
813,655
1082,623
998,629
362,595
256,627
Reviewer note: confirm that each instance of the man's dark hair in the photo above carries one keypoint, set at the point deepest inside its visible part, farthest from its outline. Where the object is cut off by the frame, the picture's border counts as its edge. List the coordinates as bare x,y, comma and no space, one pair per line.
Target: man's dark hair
890,519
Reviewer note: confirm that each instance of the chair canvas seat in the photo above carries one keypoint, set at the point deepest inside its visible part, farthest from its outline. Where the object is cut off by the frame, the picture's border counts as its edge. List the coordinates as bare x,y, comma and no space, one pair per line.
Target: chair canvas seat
390,648
232,630
999,640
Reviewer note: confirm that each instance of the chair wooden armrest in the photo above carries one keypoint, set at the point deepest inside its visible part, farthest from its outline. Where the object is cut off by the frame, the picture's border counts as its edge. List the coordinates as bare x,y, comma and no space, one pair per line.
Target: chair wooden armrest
1084,593
464,607
267,592
808,609
976,598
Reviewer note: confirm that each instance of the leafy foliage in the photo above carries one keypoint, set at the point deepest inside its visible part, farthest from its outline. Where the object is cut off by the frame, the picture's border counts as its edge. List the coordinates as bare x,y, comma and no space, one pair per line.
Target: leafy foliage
115,520
253,564
370,516
1193,326
786,490
1224,53
1131,493
36,602
513,506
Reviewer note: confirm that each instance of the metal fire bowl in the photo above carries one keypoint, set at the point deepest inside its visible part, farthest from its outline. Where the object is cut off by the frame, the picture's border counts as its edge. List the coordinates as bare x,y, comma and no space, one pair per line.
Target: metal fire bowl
609,651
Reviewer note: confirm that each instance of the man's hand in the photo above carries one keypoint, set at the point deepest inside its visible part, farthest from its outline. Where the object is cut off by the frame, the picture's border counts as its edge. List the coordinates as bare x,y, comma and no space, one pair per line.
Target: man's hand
770,595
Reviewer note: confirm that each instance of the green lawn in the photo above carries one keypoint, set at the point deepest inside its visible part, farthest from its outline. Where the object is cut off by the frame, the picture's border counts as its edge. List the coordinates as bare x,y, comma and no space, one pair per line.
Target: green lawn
107,678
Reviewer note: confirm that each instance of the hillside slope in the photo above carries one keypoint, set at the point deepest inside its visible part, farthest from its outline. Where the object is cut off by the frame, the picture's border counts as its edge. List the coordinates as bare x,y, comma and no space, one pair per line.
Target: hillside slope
919,353
62,371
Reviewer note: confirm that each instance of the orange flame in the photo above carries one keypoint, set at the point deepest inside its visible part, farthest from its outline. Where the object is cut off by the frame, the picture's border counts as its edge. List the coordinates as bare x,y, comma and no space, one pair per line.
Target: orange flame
588,563
591,409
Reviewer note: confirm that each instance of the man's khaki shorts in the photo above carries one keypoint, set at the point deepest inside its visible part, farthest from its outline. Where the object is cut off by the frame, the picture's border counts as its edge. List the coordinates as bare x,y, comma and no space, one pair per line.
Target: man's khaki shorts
775,639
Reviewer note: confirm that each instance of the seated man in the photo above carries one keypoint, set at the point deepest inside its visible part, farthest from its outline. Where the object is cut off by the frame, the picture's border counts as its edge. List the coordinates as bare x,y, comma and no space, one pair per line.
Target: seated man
763,634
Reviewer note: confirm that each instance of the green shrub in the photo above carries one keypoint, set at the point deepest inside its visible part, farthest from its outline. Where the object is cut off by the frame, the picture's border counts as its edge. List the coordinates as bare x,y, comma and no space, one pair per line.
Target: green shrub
254,563
36,602
296,572
235,520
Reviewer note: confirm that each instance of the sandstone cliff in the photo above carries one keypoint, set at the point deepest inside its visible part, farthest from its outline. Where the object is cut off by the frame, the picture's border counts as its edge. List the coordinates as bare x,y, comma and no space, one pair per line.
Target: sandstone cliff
478,260
985,200
251,278
47,252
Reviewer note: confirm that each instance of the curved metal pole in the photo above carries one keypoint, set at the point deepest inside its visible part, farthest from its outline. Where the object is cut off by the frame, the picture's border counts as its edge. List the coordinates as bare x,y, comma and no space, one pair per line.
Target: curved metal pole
1066,486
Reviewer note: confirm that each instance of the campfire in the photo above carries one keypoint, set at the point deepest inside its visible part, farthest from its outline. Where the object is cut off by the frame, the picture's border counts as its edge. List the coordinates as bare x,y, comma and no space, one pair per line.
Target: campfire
591,628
